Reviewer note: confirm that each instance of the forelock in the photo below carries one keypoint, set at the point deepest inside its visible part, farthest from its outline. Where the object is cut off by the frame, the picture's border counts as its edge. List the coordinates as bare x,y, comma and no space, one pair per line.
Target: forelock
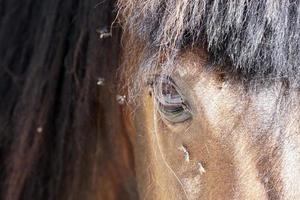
254,36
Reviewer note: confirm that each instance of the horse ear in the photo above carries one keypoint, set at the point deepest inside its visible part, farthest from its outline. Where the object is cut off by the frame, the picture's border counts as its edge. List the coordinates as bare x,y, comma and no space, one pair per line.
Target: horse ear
62,135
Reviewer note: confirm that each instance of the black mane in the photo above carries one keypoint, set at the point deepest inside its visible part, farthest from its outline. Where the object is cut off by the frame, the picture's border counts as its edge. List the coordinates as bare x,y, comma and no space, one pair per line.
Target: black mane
56,135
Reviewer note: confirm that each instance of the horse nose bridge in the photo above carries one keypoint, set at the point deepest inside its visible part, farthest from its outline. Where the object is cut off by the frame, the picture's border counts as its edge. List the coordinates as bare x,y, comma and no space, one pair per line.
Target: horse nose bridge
290,164
267,162
247,177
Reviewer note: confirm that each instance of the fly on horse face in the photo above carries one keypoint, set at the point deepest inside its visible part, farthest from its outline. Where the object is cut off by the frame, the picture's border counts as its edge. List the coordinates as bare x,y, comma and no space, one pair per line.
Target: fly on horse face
150,99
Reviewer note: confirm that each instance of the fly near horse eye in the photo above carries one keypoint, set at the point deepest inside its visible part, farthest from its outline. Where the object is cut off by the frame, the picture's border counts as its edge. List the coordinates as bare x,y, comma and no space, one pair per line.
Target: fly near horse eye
170,102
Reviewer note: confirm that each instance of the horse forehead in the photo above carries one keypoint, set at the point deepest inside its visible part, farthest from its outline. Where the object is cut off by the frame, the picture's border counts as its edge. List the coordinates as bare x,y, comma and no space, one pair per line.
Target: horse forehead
227,102
192,66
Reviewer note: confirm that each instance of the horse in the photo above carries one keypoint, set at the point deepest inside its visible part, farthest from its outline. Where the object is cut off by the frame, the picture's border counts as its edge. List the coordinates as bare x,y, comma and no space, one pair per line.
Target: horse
150,99
217,84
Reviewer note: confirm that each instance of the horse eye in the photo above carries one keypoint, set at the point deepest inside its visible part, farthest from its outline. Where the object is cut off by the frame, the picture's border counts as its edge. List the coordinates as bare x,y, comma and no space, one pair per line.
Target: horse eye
170,102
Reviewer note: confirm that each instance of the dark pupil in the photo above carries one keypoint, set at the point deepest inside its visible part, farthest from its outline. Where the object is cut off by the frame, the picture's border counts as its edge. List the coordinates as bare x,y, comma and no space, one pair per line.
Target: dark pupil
174,109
